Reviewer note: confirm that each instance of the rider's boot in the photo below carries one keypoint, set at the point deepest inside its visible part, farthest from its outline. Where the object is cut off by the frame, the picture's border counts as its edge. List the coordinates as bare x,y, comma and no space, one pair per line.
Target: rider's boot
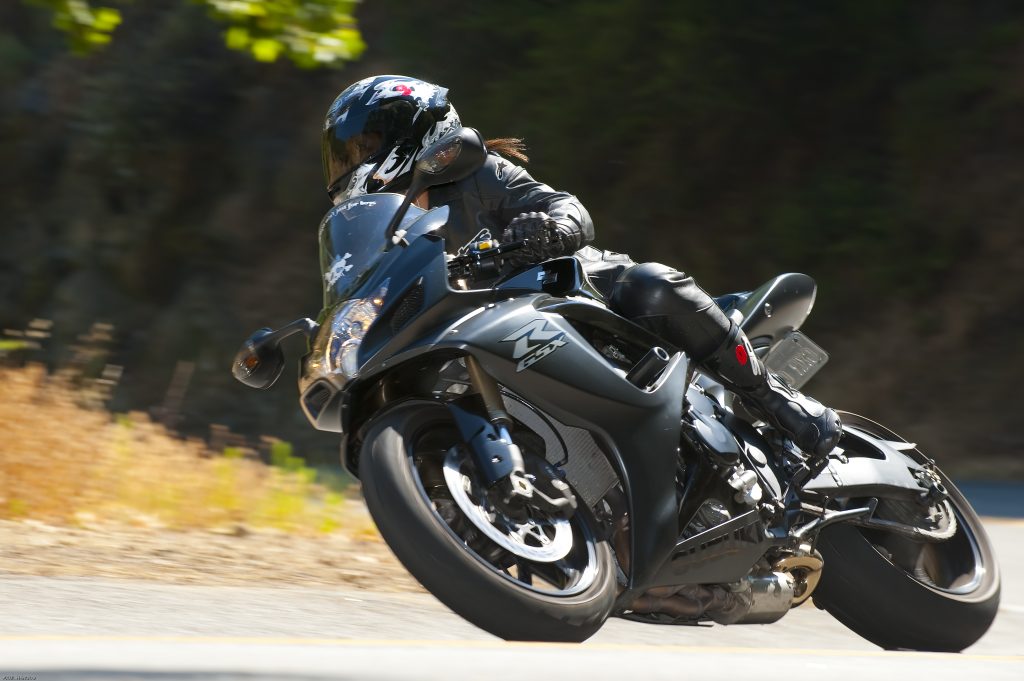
812,426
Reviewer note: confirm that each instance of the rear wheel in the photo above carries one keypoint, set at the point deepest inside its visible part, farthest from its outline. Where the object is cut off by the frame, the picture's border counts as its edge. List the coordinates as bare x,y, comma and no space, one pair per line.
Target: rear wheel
542,579
937,591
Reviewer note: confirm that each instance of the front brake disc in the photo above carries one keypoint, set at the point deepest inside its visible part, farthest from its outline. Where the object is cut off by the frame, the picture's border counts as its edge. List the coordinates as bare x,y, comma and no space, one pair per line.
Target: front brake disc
543,540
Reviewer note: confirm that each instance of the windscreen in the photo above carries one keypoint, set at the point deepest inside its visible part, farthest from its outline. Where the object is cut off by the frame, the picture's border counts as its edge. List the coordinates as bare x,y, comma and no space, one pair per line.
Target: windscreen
352,240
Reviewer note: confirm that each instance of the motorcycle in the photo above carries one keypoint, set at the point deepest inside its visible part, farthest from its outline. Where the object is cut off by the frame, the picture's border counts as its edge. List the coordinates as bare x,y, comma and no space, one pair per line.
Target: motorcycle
540,463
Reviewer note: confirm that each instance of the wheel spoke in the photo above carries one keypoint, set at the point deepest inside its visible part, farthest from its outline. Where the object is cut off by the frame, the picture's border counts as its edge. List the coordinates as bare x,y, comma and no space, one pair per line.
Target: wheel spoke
523,571
949,565
541,553
531,532
557,574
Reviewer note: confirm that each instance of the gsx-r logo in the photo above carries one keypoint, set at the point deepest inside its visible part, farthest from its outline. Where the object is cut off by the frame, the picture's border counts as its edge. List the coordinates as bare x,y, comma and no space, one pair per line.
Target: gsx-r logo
534,342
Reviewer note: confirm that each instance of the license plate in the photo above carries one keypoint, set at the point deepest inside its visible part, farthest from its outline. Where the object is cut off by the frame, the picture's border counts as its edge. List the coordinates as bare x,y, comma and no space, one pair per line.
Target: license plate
796,358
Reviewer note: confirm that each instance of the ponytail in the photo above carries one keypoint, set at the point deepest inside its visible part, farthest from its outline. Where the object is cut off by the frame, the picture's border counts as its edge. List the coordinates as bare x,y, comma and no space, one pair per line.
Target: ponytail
512,147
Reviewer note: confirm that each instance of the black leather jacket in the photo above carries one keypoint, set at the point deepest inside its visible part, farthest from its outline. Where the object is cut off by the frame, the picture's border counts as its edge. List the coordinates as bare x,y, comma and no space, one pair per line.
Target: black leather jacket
484,203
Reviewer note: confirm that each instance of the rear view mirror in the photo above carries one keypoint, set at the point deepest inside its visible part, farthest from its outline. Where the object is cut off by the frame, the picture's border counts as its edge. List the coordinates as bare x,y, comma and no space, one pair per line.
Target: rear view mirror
454,157
259,361
450,159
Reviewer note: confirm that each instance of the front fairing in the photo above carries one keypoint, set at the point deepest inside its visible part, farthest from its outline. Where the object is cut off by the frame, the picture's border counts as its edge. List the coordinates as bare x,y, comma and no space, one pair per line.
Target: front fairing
358,269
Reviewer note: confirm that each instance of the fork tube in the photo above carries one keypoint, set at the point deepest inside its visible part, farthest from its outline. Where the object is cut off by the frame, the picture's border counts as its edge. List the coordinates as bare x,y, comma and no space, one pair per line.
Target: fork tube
487,387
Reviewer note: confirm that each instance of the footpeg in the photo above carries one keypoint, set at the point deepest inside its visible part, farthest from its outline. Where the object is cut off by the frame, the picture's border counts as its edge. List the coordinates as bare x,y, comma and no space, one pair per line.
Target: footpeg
748,490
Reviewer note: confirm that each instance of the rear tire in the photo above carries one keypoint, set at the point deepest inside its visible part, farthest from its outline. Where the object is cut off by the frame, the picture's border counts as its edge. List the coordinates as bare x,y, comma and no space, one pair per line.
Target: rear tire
944,600
474,587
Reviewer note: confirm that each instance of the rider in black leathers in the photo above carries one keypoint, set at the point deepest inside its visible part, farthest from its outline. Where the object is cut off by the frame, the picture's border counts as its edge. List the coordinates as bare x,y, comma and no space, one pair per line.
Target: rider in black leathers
377,127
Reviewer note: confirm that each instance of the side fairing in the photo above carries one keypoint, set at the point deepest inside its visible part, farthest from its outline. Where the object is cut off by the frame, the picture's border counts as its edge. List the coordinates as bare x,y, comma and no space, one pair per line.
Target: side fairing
540,356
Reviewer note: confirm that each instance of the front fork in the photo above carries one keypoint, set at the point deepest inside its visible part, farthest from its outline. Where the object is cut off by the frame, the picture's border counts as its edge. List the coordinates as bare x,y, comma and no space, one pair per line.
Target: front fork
498,460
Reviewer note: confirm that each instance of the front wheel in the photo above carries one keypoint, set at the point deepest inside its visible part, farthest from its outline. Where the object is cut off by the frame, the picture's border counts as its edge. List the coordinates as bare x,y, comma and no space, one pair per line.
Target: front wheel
543,579
938,594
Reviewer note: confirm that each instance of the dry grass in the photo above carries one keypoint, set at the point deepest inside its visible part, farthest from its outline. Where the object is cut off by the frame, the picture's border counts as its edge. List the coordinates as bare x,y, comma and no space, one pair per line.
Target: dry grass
62,462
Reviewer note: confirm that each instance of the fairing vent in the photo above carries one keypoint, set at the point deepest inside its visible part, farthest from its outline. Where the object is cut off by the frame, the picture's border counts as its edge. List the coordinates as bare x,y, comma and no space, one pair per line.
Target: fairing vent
316,399
409,307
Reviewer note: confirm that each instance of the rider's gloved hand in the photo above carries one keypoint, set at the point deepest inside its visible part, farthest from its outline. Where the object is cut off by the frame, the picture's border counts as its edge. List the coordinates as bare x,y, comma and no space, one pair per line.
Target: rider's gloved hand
538,232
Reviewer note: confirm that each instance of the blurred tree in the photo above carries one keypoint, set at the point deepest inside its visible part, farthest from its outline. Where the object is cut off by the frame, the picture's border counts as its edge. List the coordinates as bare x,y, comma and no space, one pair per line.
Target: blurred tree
309,32
171,185
87,27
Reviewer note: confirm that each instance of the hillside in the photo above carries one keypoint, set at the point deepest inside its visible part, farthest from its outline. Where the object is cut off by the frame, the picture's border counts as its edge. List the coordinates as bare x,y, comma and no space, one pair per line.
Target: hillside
171,187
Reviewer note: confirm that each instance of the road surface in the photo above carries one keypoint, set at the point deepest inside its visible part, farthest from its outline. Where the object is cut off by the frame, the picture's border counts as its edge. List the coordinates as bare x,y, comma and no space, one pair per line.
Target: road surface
92,629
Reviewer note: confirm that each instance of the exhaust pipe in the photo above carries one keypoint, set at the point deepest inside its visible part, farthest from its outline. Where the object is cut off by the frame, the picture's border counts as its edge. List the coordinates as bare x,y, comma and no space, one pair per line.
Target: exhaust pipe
755,599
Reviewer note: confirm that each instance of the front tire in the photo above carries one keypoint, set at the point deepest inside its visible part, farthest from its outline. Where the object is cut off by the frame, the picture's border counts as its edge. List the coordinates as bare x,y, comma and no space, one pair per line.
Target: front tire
401,467
902,593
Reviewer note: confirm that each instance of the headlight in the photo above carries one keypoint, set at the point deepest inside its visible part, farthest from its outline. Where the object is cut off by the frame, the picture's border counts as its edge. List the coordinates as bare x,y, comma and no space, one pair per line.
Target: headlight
337,347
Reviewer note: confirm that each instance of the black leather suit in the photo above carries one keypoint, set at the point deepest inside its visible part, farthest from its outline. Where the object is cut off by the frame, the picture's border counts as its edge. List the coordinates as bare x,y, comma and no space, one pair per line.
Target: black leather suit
663,299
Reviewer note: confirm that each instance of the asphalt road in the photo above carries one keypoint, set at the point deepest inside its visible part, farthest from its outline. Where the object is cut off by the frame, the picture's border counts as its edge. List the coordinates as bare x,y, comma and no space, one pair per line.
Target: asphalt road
90,629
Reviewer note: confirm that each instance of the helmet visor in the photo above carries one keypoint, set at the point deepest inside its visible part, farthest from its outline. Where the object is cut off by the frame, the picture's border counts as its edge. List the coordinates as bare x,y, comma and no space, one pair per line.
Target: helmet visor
344,155
358,134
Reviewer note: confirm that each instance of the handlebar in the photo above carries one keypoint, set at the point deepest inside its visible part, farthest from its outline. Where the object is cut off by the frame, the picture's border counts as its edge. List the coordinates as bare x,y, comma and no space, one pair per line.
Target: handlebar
481,259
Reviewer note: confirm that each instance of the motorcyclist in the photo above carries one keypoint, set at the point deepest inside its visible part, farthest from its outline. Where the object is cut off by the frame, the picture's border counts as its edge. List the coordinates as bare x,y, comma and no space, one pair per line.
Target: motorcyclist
376,129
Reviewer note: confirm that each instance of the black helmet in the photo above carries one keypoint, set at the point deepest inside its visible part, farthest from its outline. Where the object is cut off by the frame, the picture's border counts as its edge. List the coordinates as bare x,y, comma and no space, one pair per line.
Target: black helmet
376,129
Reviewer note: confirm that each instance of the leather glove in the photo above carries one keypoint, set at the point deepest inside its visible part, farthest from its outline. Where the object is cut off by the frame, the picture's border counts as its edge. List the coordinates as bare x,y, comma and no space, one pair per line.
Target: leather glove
534,230
543,237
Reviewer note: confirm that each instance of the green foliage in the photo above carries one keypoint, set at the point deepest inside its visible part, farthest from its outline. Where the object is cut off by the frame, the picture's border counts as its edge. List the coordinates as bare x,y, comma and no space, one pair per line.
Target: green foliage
874,144
310,33
88,27
16,508
282,457
10,345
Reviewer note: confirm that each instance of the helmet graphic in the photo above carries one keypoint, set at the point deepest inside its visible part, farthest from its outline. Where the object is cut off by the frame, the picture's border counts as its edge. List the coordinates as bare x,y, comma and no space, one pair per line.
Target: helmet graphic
377,128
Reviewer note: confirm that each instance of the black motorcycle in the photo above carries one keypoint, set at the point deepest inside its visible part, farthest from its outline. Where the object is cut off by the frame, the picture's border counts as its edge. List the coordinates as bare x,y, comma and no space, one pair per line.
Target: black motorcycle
540,463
